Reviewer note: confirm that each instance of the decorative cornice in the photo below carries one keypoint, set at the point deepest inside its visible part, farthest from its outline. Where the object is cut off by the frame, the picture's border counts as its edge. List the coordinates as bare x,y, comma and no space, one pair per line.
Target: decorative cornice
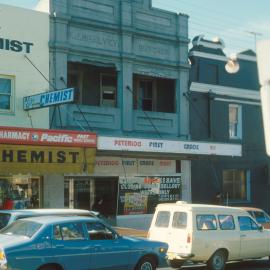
208,55
247,57
200,41
225,91
238,101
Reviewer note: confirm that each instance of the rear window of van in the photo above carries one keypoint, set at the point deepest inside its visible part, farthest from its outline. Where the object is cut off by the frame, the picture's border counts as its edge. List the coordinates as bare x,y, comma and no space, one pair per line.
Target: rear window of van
179,220
163,219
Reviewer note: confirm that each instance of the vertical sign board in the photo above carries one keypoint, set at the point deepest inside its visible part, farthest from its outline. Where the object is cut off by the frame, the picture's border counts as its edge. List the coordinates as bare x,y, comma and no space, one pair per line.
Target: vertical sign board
140,195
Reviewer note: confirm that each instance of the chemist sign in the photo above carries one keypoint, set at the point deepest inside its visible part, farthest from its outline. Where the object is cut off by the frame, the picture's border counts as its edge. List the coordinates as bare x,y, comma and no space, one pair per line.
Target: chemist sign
48,99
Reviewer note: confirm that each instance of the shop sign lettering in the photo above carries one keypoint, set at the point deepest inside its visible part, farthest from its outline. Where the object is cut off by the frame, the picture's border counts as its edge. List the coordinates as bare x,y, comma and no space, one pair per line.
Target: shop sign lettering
15,45
46,159
47,99
191,146
33,156
11,135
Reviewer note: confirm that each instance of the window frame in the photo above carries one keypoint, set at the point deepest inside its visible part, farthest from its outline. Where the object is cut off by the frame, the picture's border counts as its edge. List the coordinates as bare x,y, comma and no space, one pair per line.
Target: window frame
239,125
162,225
247,181
221,224
200,228
252,222
12,94
101,90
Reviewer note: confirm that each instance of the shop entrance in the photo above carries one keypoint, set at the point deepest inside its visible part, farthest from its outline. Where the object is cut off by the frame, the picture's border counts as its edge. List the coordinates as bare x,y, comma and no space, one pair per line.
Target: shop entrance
99,194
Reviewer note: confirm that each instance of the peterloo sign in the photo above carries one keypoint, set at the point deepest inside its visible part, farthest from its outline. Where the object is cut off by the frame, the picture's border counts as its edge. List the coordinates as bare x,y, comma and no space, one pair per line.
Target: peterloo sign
169,147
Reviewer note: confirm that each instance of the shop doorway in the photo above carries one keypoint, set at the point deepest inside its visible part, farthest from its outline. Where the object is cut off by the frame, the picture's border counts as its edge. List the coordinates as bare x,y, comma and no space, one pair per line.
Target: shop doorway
99,194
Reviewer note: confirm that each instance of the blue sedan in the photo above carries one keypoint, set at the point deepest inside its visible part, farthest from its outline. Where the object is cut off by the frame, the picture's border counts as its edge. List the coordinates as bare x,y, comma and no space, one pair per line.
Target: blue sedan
75,243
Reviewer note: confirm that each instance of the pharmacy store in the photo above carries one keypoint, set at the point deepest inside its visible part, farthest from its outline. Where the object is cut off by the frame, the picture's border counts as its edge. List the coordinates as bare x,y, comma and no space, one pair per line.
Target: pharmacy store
33,162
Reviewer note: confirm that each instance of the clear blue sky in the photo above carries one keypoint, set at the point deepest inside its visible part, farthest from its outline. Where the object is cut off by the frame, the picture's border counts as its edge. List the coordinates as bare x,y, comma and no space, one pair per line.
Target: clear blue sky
231,20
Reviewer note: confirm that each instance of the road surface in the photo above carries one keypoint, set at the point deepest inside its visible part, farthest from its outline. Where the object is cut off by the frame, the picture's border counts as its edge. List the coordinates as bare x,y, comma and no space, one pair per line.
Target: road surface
262,264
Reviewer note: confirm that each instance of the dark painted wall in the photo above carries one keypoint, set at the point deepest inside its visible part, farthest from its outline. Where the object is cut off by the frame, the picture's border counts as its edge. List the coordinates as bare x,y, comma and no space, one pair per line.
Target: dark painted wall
209,121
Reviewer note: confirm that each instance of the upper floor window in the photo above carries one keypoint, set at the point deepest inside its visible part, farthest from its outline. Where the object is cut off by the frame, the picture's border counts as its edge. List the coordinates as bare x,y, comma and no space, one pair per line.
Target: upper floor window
96,86
154,94
6,93
236,185
235,121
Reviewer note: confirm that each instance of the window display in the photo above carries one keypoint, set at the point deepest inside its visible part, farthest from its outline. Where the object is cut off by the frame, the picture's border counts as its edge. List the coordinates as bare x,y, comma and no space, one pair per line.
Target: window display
19,192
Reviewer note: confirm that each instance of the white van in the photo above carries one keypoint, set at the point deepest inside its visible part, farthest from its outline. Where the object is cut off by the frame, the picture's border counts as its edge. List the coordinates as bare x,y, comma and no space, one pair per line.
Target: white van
208,233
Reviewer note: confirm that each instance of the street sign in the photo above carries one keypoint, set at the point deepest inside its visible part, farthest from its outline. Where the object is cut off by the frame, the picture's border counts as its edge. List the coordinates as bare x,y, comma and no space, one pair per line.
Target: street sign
47,99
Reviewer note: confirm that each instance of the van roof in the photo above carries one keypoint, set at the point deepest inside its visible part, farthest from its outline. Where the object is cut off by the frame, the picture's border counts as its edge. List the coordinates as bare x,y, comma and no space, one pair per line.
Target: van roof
200,207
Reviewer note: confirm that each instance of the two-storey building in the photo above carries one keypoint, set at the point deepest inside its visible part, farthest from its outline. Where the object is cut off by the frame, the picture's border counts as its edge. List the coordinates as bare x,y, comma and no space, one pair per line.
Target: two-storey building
129,64
225,107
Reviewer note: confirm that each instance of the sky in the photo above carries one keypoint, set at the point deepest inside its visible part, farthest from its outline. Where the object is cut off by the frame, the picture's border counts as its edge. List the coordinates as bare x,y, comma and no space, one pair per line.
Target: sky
238,22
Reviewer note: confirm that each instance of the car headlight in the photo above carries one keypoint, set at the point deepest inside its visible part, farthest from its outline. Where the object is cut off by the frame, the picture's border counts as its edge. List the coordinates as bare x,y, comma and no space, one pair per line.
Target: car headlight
162,250
3,260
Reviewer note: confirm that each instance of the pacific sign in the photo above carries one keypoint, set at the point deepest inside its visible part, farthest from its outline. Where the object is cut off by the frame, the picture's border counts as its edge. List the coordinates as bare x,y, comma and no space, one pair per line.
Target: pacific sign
47,99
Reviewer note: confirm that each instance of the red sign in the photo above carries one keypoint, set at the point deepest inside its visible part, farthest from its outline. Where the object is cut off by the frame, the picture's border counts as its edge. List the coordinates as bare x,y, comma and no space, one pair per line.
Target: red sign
32,136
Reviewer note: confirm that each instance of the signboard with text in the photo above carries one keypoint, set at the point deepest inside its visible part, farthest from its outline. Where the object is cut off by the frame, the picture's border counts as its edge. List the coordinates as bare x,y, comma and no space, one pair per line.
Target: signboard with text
167,146
47,99
140,195
32,136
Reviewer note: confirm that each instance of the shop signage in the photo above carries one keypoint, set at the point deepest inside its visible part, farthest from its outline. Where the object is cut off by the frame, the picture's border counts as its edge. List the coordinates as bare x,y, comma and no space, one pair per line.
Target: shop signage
140,195
31,136
170,147
15,45
48,99
46,159
108,165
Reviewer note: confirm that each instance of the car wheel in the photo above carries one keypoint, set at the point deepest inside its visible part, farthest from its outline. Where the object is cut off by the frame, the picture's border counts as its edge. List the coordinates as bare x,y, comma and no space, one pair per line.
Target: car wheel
217,261
146,263
175,263
49,267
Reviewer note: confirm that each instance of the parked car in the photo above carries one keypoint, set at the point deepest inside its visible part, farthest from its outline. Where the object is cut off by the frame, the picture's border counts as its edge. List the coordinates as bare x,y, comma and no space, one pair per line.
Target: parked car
260,215
9,216
208,233
74,243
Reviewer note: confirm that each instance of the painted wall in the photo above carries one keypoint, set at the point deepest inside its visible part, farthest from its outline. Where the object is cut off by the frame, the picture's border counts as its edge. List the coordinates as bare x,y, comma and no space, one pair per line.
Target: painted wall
31,27
209,114
133,38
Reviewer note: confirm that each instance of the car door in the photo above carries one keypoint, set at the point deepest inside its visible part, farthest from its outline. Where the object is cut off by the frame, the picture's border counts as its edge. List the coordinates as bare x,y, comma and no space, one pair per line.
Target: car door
254,240
70,246
109,250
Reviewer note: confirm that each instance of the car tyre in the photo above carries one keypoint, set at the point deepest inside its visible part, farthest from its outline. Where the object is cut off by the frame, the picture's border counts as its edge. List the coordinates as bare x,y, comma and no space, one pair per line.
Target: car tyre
49,267
175,263
146,263
217,261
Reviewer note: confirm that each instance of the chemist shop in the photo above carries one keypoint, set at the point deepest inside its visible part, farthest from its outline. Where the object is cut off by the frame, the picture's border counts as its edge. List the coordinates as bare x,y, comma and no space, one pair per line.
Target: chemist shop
30,159
132,175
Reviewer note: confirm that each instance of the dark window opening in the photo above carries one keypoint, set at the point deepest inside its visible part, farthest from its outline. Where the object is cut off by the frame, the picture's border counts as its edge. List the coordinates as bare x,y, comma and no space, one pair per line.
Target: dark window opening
154,94
96,86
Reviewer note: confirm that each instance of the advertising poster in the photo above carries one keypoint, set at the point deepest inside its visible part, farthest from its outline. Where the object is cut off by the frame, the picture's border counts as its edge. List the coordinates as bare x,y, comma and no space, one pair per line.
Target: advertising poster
140,195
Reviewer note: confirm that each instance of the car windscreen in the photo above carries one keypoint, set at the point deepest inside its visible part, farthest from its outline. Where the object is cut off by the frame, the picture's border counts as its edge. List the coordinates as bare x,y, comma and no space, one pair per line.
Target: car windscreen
4,219
22,228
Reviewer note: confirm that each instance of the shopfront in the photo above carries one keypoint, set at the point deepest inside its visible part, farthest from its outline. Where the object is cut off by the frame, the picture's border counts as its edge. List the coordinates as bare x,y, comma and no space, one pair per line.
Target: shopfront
29,156
132,175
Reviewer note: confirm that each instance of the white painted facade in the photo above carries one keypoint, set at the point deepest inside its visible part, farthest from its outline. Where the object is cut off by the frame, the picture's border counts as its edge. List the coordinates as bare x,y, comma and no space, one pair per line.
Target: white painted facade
21,42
